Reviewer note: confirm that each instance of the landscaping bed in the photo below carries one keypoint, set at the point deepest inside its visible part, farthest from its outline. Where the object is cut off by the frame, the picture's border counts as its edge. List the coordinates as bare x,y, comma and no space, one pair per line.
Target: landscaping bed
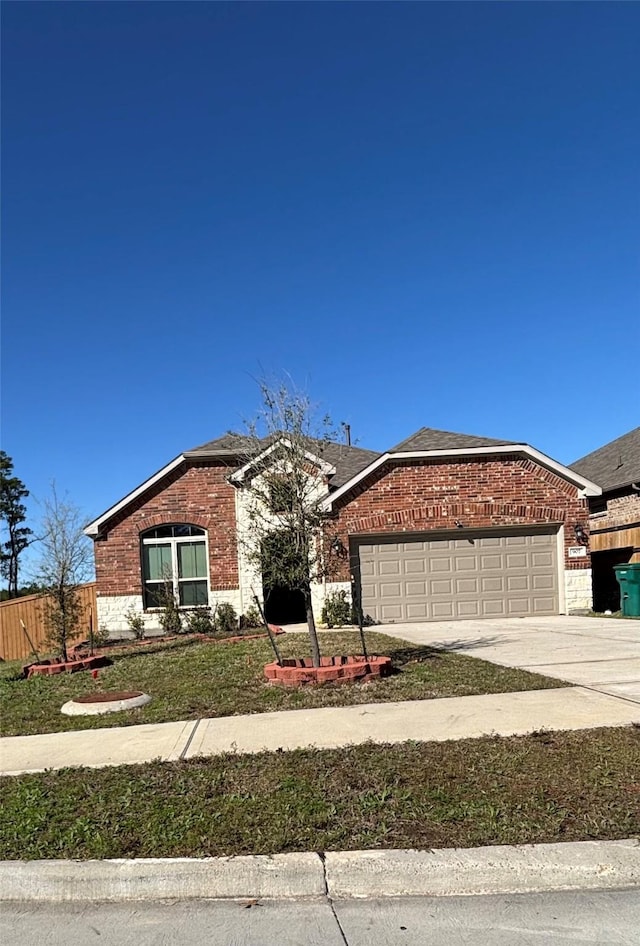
544,787
191,680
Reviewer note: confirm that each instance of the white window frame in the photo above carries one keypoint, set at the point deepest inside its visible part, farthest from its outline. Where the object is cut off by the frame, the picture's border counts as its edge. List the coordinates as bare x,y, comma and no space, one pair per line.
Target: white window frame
174,541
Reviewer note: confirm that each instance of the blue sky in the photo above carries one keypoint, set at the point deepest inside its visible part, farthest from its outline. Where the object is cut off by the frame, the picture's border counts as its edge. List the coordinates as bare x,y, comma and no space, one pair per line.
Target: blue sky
427,214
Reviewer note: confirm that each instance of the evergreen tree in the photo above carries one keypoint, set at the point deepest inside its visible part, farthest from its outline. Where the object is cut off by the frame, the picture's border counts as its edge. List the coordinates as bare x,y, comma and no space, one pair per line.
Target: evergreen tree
13,514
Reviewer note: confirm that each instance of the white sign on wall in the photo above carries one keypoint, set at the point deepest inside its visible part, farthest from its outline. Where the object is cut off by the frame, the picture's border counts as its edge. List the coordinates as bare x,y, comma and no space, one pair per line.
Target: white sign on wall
577,551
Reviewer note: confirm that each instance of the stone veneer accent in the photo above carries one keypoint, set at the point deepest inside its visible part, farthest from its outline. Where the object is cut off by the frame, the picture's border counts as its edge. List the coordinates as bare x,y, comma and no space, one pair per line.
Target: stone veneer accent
577,589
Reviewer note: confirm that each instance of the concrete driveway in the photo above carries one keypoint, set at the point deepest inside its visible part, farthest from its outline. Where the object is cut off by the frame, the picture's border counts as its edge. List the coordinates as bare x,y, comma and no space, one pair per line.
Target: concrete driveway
600,653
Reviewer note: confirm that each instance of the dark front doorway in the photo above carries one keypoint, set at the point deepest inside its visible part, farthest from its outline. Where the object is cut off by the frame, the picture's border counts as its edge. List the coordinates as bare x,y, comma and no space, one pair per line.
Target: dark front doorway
282,605
606,590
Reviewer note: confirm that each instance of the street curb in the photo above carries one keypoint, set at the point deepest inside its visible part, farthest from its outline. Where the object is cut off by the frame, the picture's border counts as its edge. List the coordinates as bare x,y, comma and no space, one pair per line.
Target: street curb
584,865
484,870
280,876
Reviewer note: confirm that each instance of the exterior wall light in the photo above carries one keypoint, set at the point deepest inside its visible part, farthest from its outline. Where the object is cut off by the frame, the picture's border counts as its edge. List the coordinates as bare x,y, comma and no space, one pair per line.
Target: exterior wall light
581,535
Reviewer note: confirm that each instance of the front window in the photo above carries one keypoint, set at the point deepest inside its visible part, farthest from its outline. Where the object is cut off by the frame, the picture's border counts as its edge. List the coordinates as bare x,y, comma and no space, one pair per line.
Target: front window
174,561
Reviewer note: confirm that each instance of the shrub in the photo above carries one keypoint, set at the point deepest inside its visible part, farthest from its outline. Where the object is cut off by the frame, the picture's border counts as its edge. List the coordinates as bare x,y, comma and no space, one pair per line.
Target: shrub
200,621
251,618
225,619
170,618
336,609
135,622
101,636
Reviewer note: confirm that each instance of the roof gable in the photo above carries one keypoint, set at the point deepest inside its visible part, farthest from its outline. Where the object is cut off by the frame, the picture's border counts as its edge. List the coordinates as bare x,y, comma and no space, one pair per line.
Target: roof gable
585,486
614,465
341,462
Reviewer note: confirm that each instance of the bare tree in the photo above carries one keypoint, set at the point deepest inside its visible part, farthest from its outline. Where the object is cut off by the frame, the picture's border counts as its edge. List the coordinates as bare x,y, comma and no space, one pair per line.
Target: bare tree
65,563
283,527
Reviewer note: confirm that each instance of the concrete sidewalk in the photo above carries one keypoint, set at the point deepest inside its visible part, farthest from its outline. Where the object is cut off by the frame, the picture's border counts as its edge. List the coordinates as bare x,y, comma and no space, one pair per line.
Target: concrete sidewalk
503,714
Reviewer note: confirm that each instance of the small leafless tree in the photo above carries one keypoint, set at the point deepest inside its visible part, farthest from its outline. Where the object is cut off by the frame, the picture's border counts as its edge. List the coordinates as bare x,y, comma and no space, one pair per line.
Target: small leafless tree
66,562
283,529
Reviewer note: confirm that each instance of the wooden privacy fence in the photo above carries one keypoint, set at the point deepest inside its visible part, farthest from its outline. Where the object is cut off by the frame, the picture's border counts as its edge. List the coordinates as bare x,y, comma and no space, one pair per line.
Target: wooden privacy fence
13,642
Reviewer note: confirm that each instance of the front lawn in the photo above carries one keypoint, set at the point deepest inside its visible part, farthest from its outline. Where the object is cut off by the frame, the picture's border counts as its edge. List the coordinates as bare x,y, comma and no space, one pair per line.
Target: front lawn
544,787
190,680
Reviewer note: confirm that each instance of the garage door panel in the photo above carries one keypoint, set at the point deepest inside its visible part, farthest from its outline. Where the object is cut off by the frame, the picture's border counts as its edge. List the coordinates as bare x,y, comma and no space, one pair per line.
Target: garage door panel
391,613
541,559
516,560
439,564
517,582
441,611
542,582
417,612
493,608
442,587
465,563
467,586
487,562
515,605
415,566
489,576
517,540
467,609
493,584
389,567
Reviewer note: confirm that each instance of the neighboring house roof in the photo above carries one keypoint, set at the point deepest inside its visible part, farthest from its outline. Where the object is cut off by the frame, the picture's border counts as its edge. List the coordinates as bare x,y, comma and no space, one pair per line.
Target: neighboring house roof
615,465
429,439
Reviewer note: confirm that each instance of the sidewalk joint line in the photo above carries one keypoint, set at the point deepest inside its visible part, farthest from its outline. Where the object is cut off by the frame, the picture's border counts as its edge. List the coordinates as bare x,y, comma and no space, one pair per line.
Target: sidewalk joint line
189,741
613,696
323,861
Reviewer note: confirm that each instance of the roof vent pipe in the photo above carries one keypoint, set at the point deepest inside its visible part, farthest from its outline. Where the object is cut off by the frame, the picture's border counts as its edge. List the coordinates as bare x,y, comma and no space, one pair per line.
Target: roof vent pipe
347,433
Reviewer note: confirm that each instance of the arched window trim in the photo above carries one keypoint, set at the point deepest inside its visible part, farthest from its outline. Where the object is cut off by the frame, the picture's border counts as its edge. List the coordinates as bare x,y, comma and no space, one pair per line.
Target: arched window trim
180,582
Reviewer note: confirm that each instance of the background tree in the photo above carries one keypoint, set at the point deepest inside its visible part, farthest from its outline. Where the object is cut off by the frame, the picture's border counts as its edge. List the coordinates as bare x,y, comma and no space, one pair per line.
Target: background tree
283,531
66,562
13,513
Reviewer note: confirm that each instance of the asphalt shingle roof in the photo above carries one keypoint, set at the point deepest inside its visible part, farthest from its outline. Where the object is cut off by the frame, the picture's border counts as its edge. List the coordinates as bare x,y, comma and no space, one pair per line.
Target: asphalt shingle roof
347,460
614,465
429,439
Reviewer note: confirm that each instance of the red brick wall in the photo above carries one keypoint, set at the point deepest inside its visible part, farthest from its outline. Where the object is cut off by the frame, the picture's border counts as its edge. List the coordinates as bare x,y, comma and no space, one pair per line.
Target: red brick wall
426,495
621,510
196,493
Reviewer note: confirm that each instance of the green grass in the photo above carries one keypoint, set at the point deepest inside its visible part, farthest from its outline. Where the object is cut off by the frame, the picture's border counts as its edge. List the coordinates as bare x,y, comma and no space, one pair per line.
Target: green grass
190,680
539,788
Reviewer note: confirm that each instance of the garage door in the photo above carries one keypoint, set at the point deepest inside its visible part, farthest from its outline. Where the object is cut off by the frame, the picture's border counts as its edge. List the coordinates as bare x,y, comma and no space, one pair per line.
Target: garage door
453,578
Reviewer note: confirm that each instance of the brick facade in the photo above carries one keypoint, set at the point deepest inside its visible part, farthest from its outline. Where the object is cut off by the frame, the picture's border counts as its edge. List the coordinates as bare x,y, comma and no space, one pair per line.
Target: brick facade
198,494
426,495
402,496
618,526
620,511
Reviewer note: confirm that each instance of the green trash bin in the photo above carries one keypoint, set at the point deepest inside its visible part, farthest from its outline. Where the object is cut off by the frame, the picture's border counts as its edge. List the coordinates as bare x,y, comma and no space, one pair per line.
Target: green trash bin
629,580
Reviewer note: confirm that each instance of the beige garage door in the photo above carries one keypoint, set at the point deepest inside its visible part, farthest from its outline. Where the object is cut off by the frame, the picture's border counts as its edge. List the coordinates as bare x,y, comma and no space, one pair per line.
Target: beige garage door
410,579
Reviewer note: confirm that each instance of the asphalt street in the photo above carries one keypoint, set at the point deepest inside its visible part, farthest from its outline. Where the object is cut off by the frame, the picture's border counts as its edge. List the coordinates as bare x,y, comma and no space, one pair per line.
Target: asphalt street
589,918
